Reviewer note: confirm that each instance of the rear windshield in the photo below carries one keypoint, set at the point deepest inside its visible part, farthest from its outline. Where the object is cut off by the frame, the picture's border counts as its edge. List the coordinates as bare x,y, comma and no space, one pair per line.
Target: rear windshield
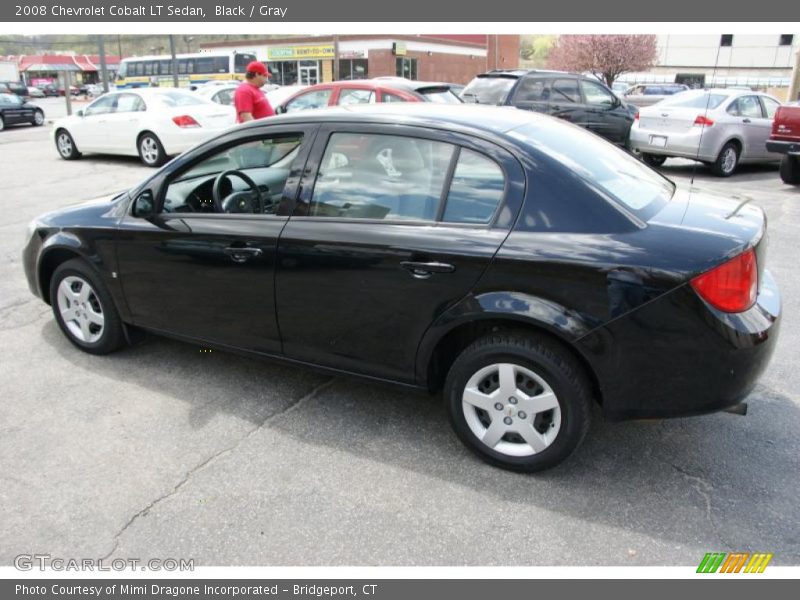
488,90
694,100
609,170
439,95
179,99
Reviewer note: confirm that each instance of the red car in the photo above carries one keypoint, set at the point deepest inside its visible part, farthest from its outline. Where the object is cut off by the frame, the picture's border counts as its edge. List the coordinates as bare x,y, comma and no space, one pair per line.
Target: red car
785,139
369,91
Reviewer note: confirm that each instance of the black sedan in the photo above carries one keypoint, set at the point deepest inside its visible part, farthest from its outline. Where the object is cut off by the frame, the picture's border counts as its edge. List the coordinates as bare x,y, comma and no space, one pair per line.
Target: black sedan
14,110
524,266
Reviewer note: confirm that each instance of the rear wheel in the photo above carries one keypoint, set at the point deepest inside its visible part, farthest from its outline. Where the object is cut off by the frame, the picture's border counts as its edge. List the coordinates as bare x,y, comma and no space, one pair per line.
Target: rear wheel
727,161
66,145
84,310
2,123
654,160
790,169
519,402
151,151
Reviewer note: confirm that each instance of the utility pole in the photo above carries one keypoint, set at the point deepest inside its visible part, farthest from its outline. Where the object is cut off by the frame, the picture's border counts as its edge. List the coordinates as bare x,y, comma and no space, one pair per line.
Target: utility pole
103,68
174,61
68,92
336,58
794,88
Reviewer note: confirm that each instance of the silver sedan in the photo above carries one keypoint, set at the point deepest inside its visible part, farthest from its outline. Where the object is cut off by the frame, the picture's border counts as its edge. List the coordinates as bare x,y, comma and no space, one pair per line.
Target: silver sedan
719,127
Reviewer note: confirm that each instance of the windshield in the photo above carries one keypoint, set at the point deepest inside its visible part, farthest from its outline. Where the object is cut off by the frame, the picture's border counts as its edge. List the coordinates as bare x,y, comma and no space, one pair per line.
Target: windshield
609,170
176,98
694,100
488,90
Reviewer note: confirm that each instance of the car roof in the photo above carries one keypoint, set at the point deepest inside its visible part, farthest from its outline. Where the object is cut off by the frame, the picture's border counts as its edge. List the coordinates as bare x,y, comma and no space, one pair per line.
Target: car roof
388,83
478,118
516,73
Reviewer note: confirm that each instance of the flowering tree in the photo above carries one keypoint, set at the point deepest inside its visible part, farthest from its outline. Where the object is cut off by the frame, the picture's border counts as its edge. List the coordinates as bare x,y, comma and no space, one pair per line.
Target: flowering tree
607,56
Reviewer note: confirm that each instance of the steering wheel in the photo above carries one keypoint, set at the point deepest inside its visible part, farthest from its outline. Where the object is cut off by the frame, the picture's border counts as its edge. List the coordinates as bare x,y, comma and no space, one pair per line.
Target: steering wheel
249,201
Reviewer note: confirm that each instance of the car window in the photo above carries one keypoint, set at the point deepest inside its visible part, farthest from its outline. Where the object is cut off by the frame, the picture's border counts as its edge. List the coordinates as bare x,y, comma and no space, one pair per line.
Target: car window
176,98
371,176
129,103
10,99
694,100
224,97
770,106
389,97
565,90
596,94
746,106
488,90
309,100
439,95
101,106
532,89
476,189
356,96
266,161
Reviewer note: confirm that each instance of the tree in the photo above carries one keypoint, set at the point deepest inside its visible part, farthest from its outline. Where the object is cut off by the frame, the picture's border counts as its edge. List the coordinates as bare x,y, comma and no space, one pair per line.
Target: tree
535,49
606,56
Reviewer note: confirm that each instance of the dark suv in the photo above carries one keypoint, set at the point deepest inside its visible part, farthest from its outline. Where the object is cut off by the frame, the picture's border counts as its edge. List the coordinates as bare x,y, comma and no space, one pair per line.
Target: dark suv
579,99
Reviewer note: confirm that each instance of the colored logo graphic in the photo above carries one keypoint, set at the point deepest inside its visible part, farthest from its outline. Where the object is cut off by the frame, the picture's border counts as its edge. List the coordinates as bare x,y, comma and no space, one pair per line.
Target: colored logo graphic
737,562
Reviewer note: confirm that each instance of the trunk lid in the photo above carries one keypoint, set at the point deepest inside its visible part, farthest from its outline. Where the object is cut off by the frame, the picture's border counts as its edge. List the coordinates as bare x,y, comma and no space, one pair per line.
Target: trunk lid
668,119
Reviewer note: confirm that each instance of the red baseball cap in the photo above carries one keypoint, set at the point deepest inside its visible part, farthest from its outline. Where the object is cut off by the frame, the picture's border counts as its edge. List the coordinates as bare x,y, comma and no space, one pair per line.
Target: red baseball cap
258,67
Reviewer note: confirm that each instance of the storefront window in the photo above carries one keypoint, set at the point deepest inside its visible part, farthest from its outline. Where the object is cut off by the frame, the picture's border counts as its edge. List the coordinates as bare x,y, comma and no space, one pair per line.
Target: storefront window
355,68
406,67
283,73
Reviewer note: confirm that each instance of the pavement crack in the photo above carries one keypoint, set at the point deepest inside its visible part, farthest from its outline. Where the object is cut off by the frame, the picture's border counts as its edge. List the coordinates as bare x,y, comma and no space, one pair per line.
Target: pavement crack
291,407
704,489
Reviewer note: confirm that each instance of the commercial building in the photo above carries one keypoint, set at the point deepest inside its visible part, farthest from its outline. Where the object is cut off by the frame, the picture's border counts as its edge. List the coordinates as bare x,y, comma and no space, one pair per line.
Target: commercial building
37,69
755,61
310,60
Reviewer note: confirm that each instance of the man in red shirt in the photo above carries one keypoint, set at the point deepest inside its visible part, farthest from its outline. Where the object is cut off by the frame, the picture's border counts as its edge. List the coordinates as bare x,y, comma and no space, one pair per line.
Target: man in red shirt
249,100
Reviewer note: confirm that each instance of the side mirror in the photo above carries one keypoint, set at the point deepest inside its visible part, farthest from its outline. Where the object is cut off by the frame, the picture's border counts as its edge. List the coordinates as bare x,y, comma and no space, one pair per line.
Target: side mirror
144,206
280,110
79,113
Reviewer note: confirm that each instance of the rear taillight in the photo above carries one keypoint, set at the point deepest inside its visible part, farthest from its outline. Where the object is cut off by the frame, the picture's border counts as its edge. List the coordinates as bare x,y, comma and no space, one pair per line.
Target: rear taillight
636,116
185,121
703,121
730,287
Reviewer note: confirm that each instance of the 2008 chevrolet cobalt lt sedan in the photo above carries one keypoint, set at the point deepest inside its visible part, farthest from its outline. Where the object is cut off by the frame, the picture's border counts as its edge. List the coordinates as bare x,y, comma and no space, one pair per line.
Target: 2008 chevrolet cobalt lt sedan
522,265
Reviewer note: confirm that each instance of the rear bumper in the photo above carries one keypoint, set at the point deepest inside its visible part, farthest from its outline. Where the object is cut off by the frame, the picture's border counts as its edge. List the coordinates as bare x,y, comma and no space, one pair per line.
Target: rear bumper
781,147
678,356
682,144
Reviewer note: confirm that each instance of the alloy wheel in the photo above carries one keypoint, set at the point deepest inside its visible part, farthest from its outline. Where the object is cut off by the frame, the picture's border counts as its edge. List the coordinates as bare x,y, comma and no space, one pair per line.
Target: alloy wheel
65,144
729,160
149,148
38,117
80,309
511,409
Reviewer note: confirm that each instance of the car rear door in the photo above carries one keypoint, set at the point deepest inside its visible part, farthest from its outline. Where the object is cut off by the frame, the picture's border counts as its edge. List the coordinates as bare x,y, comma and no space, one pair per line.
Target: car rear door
565,100
122,123
532,93
388,233
747,113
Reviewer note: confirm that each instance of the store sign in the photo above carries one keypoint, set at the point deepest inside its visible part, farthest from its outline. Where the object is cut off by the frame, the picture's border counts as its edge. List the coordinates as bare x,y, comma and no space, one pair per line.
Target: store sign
353,54
300,52
399,49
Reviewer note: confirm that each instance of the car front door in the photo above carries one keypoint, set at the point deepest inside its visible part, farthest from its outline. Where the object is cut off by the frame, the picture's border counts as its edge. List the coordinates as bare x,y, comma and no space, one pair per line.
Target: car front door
604,115
91,131
12,109
388,233
202,265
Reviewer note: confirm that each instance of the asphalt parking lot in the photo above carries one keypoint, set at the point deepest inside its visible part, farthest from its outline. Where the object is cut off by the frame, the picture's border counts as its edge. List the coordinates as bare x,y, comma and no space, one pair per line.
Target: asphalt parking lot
164,451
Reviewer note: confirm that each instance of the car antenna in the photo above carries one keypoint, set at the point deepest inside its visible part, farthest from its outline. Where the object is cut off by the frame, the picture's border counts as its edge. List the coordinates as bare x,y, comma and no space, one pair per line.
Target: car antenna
705,117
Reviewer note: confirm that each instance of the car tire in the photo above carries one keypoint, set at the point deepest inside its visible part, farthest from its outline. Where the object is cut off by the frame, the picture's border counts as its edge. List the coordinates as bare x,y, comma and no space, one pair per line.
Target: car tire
510,431
727,161
66,145
2,123
38,118
151,152
653,160
790,169
84,309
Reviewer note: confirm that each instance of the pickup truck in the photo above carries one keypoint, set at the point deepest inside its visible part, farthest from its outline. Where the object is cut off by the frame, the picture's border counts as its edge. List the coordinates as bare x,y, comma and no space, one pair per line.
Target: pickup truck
785,139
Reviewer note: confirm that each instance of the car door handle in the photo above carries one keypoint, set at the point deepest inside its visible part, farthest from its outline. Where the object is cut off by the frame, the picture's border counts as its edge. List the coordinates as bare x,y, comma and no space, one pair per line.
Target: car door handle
242,254
423,270
746,121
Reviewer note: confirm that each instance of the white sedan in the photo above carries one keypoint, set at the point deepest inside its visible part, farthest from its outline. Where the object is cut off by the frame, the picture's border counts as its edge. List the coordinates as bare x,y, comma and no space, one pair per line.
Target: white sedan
153,123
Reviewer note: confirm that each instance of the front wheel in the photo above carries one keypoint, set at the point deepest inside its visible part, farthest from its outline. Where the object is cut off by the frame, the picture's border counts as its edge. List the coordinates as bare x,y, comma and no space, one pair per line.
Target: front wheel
653,160
84,310
151,151
38,118
66,145
790,169
519,402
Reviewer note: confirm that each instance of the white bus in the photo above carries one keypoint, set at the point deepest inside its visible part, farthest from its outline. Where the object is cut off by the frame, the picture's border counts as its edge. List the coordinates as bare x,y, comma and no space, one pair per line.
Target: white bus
193,69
